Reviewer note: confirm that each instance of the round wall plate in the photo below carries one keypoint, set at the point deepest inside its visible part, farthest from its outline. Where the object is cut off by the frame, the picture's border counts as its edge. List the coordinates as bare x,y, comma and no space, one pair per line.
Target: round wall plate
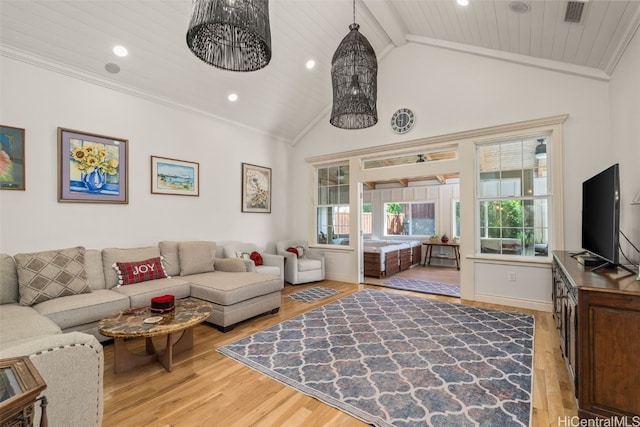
402,120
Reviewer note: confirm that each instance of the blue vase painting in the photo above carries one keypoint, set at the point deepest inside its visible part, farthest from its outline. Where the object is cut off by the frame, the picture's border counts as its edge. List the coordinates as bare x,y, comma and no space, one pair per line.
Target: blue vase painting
94,180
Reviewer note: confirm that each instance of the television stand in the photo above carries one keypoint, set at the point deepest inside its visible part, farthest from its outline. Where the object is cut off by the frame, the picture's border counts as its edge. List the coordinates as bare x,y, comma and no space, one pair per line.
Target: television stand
612,265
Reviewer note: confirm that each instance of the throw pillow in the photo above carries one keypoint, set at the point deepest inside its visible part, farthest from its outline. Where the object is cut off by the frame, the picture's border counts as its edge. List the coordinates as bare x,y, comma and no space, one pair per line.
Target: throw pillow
139,271
51,274
256,258
196,257
231,265
300,251
243,255
292,250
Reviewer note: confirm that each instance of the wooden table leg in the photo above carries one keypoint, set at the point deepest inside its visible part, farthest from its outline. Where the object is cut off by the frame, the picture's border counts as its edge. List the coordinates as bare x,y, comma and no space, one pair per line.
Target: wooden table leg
182,343
125,360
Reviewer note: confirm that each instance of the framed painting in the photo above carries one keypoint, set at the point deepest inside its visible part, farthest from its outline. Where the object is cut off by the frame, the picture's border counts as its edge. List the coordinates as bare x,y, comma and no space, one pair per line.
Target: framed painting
12,175
256,188
171,176
92,168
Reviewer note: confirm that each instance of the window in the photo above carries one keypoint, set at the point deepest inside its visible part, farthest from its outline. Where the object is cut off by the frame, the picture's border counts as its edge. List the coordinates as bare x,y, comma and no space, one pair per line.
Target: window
332,208
410,219
456,218
367,219
513,197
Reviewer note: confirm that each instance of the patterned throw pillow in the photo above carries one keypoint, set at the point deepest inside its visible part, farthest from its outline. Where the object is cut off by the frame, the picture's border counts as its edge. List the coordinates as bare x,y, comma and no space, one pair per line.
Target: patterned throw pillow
243,255
300,251
51,274
139,271
256,258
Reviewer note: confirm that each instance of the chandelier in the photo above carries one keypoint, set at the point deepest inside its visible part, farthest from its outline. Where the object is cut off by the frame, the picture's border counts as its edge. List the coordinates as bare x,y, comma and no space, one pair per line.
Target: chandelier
231,34
354,73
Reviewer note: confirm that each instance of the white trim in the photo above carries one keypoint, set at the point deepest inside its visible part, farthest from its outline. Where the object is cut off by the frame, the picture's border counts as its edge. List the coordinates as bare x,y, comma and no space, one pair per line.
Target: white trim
515,302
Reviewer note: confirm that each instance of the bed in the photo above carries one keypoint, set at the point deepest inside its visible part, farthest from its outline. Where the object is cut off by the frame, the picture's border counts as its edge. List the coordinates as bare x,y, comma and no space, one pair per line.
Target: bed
382,258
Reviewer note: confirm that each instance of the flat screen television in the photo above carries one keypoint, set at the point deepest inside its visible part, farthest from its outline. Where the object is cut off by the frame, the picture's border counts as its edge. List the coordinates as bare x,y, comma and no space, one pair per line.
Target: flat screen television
601,216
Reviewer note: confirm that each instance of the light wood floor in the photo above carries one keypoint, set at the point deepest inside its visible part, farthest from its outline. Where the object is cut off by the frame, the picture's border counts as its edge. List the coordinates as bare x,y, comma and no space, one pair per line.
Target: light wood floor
206,388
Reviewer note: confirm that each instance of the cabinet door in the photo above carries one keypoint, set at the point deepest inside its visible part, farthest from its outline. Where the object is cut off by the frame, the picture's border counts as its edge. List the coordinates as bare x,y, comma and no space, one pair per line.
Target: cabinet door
609,353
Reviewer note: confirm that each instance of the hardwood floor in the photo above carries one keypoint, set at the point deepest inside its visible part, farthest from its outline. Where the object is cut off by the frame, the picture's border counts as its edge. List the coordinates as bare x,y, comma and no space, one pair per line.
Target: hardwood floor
206,388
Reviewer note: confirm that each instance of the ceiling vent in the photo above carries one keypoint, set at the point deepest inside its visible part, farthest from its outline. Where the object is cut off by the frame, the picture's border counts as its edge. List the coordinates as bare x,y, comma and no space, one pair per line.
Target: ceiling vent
574,12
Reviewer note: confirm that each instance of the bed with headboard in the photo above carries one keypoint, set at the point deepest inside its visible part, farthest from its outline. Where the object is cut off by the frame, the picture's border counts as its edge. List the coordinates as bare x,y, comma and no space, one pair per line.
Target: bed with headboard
383,258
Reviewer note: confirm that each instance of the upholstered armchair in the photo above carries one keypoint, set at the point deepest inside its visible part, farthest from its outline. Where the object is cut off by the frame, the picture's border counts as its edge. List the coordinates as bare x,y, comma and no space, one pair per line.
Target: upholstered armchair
271,263
303,268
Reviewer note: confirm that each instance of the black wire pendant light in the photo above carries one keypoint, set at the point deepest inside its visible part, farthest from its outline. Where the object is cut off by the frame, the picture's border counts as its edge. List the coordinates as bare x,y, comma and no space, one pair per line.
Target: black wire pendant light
231,34
354,74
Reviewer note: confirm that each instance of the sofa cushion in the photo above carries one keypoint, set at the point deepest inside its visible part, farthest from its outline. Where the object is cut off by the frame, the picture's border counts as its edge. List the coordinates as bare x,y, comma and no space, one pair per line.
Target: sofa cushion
140,295
171,258
308,264
139,271
93,267
230,288
51,274
112,255
18,322
8,280
76,310
196,257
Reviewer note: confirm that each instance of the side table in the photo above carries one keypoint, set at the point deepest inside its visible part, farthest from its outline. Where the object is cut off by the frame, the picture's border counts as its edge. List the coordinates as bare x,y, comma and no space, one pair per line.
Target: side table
20,384
454,246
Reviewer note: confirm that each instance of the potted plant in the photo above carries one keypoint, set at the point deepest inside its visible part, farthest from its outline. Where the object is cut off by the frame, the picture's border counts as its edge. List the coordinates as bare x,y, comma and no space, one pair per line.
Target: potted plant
434,238
444,238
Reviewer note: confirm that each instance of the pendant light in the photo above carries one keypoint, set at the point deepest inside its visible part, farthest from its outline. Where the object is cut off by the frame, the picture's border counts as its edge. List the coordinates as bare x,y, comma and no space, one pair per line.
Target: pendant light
354,73
541,149
231,34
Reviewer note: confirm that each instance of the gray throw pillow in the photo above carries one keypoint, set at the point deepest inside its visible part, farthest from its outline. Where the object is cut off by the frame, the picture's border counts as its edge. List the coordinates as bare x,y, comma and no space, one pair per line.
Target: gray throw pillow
51,274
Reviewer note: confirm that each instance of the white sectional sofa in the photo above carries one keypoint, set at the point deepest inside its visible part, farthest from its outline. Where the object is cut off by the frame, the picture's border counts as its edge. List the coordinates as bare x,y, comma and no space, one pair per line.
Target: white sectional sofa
60,334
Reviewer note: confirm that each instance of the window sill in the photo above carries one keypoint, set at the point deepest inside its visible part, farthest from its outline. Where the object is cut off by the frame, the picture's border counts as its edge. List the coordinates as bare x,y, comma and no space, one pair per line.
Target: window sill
511,259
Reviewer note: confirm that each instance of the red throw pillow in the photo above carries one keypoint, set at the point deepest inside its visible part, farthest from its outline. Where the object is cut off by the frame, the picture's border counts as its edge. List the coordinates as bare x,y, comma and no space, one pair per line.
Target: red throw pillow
292,250
256,258
139,271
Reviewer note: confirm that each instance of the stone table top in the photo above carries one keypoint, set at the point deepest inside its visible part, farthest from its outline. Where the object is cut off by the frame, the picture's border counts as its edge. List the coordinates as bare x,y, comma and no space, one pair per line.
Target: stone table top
130,323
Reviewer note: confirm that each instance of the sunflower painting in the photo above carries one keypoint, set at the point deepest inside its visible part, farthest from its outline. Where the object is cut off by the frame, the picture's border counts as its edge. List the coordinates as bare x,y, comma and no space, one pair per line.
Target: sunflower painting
92,167
256,188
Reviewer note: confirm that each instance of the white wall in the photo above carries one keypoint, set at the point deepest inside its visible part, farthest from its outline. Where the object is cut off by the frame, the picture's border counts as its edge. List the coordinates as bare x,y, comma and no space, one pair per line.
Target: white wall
40,101
452,92
624,142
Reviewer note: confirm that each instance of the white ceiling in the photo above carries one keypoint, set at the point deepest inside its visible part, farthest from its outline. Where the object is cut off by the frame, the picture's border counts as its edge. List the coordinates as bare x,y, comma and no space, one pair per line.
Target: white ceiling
284,99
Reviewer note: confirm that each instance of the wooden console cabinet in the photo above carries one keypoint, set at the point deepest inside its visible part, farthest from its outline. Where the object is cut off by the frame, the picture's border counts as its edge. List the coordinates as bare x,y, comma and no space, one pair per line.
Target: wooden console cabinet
598,317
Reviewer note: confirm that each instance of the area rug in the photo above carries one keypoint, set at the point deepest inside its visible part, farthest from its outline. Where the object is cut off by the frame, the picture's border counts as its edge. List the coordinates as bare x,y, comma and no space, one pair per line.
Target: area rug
391,359
423,286
313,294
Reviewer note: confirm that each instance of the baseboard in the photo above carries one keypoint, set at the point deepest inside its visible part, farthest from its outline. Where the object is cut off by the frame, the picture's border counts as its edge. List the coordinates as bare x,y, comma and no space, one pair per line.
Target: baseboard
515,302
340,277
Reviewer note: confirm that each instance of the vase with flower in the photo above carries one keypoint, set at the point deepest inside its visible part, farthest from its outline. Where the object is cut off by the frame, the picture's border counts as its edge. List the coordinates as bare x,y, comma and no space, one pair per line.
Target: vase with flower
95,164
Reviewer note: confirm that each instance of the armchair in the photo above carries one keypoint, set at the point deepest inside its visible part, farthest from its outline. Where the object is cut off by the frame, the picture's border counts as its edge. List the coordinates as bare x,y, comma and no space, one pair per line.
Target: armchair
271,263
307,268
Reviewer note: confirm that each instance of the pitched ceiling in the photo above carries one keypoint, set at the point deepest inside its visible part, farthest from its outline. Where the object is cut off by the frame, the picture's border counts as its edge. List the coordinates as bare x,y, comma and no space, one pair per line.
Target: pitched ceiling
285,99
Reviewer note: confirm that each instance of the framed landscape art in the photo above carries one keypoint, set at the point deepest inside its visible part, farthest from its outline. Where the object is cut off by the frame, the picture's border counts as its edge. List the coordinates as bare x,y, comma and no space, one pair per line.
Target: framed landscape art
92,168
171,176
12,176
256,188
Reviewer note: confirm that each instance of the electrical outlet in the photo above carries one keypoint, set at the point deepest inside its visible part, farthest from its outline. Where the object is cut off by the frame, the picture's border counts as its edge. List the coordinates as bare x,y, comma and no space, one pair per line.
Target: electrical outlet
512,276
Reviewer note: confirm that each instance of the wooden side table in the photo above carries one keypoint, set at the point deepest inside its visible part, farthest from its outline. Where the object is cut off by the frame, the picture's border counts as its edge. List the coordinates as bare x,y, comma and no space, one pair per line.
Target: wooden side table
455,247
20,385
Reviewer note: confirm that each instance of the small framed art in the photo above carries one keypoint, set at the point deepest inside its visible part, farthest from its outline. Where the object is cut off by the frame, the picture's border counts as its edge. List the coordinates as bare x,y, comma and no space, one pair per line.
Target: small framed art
256,188
171,176
12,176
92,168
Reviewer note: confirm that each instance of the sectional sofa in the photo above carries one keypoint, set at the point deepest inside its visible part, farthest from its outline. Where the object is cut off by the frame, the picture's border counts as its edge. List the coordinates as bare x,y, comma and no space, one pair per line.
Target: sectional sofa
51,303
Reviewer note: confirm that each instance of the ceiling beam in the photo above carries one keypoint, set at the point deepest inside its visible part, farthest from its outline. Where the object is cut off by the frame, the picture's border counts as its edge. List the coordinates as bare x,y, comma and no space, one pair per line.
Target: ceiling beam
388,18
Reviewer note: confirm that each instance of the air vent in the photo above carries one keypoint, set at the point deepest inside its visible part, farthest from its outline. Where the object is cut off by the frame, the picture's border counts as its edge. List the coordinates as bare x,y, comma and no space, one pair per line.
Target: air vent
574,12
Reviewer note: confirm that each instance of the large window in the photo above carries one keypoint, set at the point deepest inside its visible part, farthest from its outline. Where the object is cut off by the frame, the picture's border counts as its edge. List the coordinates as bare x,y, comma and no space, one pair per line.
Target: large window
332,208
513,197
410,219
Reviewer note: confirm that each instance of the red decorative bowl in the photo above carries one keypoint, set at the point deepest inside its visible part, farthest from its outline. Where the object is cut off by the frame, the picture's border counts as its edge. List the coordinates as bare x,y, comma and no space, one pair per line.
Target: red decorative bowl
163,304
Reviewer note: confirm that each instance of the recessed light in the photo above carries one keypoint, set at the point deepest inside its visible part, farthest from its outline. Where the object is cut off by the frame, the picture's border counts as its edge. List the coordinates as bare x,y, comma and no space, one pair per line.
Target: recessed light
120,50
311,64
463,2
233,97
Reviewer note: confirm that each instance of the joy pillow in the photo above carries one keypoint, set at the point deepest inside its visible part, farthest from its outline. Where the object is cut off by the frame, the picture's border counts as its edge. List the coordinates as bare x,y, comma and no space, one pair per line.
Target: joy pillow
139,271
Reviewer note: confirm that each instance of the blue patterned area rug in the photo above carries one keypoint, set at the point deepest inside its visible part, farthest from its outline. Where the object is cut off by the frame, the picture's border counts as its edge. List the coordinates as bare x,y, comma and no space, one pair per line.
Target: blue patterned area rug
313,294
392,359
422,286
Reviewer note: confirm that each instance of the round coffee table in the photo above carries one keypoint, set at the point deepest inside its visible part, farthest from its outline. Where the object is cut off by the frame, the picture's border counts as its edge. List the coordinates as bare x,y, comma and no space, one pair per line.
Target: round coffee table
176,325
